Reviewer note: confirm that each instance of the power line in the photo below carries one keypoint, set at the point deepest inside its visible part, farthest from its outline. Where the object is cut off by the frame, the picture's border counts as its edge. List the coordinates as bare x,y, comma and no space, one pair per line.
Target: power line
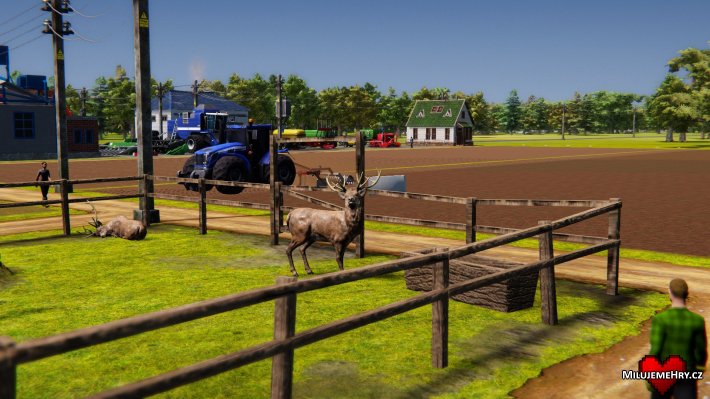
18,14
33,28
21,25
27,42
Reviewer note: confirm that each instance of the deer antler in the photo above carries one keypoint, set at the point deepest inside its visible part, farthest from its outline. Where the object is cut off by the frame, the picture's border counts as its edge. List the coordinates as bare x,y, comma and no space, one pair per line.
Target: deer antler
339,187
363,182
95,222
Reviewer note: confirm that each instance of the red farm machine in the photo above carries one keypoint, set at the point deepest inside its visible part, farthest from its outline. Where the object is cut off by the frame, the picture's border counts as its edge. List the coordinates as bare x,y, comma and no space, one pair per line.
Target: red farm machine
384,140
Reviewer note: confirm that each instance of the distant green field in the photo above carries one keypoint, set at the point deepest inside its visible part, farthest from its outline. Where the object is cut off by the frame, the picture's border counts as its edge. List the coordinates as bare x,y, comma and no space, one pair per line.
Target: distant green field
642,140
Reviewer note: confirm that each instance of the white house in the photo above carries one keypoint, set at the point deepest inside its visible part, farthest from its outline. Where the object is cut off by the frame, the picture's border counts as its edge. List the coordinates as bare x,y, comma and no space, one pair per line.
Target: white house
440,122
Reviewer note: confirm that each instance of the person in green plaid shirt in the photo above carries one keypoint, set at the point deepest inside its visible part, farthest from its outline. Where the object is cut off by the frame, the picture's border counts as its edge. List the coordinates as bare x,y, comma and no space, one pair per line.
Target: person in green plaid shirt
678,331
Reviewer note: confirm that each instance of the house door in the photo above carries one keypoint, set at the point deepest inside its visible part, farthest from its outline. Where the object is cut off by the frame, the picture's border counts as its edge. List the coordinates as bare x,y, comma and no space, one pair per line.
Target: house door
459,136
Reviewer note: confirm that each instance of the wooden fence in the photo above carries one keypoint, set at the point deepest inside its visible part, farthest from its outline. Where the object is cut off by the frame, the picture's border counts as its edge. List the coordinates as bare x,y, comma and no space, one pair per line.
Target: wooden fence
286,339
65,185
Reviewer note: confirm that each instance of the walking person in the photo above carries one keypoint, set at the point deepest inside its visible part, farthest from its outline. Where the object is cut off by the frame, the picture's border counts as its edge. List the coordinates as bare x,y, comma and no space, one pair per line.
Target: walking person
678,331
43,175
411,142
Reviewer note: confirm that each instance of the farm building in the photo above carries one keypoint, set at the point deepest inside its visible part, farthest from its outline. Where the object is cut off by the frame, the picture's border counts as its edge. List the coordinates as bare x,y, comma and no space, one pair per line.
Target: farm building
28,127
179,104
440,122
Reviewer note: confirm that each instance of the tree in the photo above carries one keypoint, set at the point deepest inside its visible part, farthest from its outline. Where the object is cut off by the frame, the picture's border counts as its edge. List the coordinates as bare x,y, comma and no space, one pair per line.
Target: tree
304,102
332,107
257,94
674,107
697,64
394,110
480,111
513,112
424,94
440,93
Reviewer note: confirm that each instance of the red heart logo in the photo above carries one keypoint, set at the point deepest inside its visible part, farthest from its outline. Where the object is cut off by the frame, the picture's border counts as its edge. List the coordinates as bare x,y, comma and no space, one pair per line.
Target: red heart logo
650,363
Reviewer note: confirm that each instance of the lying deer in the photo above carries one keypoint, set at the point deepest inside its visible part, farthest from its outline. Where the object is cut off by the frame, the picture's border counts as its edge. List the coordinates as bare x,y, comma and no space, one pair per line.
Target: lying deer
309,225
120,226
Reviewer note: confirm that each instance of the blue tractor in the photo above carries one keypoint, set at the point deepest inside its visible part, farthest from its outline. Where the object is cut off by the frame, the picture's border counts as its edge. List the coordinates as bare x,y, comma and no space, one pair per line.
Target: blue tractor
240,154
203,127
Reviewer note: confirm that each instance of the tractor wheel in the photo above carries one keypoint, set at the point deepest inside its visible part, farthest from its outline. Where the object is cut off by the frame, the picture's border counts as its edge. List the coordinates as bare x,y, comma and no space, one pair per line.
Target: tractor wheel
285,170
230,169
187,169
195,142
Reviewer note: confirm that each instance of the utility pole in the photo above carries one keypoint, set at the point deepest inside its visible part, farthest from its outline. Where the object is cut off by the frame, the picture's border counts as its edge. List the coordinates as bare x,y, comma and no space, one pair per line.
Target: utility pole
194,94
160,109
141,47
58,29
279,105
564,112
82,97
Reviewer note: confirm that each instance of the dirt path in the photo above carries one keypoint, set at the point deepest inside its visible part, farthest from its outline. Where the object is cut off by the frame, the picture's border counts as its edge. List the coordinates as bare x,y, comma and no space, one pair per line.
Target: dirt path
589,376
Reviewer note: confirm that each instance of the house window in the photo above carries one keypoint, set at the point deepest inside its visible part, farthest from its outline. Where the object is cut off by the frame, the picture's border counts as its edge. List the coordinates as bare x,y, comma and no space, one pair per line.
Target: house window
24,125
446,134
152,118
463,114
437,109
433,133
448,113
415,134
420,114
428,133
77,136
89,136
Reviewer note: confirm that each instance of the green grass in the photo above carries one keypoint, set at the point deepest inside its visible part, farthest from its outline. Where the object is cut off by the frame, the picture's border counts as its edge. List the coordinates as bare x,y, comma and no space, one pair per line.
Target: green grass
32,212
641,141
72,282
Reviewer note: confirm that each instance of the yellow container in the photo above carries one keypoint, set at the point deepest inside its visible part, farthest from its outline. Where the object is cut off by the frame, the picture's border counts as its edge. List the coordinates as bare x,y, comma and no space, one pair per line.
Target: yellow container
292,133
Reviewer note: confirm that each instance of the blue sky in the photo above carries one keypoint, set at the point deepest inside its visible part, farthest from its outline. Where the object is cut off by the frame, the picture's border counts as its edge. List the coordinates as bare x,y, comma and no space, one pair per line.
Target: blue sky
542,47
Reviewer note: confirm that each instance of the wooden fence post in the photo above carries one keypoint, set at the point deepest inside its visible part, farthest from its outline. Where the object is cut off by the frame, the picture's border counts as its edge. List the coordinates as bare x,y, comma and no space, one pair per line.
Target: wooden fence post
440,316
470,220
548,294
360,169
279,205
66,225
8,369
284,327
145,184
612,263
273,150
203,205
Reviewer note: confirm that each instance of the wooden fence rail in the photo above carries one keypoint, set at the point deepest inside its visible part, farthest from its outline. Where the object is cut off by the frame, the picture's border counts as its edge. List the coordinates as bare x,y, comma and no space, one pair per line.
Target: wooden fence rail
64,190
285,339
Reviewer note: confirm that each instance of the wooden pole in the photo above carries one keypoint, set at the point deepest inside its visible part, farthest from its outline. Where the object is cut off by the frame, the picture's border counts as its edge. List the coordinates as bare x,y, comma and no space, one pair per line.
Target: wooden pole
470,220
279,206
612,263
360,169
60,101
548,294
66,224
440,316
160,109
272,189
8,369
284,327
141,48
203,206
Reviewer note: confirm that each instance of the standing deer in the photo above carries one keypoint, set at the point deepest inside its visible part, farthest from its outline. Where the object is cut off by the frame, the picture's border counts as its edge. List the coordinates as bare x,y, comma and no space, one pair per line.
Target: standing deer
337,227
